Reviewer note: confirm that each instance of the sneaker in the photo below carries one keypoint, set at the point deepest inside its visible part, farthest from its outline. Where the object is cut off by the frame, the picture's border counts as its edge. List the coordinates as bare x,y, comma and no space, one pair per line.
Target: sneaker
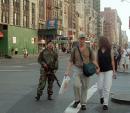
105,107
101,100
83,107
75,104
37,97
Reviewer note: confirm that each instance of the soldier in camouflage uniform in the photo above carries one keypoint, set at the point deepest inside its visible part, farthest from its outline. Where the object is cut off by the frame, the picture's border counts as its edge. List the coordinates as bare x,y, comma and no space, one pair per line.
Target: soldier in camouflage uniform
48,59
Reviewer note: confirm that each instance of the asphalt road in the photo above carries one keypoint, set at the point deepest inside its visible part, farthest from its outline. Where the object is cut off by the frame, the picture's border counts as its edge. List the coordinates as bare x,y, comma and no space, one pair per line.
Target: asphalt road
18,83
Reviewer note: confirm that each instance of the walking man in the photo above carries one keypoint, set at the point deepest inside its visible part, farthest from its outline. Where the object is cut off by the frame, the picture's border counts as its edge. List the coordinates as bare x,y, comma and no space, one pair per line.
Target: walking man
48,59
80,85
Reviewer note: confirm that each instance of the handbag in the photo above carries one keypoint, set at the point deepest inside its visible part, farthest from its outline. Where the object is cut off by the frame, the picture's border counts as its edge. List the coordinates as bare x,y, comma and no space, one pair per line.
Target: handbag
89,69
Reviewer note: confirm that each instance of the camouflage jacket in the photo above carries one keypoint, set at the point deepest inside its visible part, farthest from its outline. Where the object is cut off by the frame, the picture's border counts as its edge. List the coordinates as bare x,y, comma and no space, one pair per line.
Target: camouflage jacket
50,58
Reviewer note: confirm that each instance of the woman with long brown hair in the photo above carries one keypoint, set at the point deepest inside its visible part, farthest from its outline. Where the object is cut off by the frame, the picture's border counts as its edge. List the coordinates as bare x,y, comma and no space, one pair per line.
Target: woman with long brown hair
105,59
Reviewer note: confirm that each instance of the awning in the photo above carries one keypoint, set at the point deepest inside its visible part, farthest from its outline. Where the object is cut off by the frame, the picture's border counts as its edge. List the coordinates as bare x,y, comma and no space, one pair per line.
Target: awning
1,34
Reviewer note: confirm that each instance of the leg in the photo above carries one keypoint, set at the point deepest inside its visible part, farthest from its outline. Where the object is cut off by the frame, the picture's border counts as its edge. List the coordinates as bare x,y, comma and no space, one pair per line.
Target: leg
50,86
107,86
84,88
41,86
76,86
115,64
100,84
127,63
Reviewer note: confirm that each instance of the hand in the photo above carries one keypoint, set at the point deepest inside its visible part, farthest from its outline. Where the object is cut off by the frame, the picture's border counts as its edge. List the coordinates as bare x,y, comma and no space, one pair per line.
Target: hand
114,75
97,70
67,73
45,66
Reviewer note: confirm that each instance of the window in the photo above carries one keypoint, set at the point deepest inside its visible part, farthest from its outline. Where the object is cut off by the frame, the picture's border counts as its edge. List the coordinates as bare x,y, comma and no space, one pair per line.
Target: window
16,12
41,10
33,15
26,13
5,11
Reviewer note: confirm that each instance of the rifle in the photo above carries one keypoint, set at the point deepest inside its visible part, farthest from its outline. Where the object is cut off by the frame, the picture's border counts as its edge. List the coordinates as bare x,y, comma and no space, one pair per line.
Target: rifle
52,72
53,75
57,81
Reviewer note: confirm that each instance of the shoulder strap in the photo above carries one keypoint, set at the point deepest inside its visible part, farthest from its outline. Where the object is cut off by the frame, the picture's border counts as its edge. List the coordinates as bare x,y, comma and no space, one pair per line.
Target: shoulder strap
80,53
90,53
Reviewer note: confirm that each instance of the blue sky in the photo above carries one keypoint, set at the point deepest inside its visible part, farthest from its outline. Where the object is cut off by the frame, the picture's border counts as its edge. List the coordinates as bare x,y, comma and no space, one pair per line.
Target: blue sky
123,9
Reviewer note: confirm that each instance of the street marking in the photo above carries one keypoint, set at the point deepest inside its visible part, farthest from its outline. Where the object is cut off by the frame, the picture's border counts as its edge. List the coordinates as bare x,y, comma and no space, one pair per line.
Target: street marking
91,92
12,70
33,64
13,66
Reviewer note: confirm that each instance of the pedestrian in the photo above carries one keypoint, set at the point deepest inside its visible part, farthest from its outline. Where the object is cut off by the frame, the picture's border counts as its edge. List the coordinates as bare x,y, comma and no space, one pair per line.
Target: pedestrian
12,51
116,54
80,81
125,57
16,51
25,53
105,59
119,56
48,59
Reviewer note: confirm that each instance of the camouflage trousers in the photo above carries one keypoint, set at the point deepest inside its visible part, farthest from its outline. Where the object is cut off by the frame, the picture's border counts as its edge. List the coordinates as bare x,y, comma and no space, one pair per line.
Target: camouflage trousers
42,83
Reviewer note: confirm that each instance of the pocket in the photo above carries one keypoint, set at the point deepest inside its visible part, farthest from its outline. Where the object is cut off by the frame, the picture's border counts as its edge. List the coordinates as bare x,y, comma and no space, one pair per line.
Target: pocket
77,81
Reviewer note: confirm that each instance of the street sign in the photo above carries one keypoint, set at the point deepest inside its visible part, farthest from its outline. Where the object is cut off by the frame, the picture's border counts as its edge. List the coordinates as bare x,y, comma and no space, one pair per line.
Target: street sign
14,40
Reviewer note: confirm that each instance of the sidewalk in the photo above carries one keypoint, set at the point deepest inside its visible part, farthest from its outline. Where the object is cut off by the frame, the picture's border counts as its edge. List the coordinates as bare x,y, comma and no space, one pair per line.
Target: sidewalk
18,59
121,94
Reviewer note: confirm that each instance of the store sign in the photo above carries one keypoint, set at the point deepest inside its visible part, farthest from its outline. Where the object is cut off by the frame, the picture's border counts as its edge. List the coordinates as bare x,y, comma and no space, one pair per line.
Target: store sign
52,24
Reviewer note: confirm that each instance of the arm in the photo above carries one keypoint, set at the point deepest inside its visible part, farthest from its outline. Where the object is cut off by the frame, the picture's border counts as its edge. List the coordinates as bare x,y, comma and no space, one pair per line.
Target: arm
112,61
95,61
70,63
41,59
69,68
56,61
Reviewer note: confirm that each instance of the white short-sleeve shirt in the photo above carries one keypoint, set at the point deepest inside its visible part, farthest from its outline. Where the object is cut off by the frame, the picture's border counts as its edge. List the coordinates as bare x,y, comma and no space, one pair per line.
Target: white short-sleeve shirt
126,52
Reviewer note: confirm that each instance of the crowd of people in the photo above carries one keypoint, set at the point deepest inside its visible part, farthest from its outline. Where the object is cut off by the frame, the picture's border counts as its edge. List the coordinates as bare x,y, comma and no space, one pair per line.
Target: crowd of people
106,58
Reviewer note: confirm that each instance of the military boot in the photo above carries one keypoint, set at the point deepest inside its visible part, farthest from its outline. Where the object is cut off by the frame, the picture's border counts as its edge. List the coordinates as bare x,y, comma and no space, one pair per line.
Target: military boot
37,97
50,97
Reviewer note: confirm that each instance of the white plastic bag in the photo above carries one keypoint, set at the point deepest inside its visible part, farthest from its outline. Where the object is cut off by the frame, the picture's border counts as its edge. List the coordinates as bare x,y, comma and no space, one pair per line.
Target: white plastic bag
64,85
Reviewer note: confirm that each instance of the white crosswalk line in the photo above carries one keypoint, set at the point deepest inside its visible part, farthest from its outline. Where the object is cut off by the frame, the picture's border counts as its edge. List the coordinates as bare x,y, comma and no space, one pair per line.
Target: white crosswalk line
91,92
13,66
11,70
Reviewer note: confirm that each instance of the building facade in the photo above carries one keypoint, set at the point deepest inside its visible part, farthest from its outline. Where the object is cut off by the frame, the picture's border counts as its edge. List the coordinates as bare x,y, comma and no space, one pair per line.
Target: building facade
72,19
112,25
18,22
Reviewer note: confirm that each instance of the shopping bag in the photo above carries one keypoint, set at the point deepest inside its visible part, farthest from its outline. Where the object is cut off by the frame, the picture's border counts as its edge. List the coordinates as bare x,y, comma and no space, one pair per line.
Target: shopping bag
64,85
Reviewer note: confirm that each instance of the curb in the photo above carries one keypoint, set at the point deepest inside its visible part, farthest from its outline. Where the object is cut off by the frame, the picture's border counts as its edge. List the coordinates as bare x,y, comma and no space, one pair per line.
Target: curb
121,98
